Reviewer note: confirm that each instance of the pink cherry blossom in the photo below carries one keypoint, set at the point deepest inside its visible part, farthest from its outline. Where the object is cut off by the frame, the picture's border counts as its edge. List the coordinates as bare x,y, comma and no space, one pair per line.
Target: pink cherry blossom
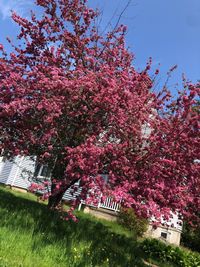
73,99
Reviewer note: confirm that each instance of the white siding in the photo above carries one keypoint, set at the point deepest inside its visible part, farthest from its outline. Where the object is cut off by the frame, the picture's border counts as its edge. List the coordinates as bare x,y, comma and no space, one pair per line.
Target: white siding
69,196
174,221
17,172
5,169
24,173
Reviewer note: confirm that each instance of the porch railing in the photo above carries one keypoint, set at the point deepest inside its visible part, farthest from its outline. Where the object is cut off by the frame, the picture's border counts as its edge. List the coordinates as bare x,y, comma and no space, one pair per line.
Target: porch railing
108,204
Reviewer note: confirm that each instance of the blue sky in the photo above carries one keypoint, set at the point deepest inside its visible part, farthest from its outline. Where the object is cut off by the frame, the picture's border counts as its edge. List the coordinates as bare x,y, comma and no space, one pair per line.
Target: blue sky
168,31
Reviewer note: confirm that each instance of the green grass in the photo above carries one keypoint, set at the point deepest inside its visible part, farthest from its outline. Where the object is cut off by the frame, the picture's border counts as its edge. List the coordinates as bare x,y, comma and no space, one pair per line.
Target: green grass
33,236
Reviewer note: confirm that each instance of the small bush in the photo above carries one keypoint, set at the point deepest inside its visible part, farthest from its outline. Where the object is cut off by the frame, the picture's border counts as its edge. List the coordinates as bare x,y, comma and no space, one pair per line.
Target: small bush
156,249
132,222
191,237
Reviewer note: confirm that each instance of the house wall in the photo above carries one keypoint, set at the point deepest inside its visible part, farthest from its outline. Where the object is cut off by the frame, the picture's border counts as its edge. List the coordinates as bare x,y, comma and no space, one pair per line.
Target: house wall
5,169
17,173
101,213
22,177
173,235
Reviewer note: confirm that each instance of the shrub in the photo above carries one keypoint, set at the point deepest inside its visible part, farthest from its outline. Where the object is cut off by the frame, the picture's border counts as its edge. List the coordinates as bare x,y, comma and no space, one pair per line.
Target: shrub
132,222
191,237
156,249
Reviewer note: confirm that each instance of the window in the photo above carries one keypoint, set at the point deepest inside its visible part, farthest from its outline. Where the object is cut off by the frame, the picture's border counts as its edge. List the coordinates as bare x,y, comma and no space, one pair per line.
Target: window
163,235
42,171
105,177
45,171
37,170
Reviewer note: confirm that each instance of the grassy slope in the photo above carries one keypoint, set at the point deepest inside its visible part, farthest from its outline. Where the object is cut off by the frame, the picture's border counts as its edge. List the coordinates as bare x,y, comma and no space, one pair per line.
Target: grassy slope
32,236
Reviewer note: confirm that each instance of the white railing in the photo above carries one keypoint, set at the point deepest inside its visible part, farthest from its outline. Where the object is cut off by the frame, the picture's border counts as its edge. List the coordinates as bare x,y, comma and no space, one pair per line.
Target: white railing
110,204
107,204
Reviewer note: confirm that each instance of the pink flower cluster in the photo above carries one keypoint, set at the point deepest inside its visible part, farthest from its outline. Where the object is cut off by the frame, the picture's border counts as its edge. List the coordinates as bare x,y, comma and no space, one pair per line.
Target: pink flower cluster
73,99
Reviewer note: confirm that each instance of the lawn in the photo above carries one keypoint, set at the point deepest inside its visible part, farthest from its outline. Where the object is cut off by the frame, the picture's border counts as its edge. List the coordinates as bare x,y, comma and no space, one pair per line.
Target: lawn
32,236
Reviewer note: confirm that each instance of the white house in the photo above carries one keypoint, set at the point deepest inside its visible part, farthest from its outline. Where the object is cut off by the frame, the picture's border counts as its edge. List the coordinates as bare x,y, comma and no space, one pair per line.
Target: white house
17,174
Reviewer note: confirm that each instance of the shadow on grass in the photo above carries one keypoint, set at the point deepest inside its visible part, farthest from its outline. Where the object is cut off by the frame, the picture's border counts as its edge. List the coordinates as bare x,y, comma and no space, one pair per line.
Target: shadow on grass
117,250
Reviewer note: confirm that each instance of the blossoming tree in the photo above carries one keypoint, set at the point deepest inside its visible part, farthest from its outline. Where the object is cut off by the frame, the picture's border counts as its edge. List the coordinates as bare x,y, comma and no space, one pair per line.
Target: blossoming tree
73,99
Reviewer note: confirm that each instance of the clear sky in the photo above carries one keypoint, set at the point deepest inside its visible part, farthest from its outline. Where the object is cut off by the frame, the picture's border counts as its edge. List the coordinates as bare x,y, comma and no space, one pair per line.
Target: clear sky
168,31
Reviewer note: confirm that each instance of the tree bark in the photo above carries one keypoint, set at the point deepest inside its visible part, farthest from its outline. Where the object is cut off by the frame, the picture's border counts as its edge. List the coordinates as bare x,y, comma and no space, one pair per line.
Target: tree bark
57,194
58,173
55,197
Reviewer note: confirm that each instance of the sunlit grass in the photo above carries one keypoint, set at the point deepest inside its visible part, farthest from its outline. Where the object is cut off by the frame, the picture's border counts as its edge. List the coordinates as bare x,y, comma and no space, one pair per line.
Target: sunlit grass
33,236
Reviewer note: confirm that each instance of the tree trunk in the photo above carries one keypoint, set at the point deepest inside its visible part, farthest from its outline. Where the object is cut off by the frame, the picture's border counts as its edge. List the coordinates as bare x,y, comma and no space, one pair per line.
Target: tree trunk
58,173
56,196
